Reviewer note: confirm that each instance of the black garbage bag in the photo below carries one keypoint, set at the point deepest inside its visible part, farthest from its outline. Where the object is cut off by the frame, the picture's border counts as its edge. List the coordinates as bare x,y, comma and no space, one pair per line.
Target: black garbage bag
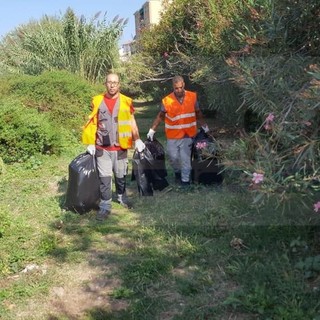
204,159
141,172
83,192
207,172
149,169
157,164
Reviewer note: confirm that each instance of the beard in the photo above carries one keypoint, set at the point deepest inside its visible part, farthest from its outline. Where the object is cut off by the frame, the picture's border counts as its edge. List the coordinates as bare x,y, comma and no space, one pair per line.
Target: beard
179,94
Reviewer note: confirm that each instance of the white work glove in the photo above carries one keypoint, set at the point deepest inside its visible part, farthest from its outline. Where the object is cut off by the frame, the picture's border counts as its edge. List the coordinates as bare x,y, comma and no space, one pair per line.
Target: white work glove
139,145
91,149
205,128
150,134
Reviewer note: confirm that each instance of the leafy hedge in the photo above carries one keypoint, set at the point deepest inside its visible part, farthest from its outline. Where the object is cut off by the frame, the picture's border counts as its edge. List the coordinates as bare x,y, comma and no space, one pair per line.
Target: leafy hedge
24,132
63,96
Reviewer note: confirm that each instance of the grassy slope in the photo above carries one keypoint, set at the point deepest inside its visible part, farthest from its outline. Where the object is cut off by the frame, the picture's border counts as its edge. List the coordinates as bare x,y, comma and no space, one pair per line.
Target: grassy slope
200,254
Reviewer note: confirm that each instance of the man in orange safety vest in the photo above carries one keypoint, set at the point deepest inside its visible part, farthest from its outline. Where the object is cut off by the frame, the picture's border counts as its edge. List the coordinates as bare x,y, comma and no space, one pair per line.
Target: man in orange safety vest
180,112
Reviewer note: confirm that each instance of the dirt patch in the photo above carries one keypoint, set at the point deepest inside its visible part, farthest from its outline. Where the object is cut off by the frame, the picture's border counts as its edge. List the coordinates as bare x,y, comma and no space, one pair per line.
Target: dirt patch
79,289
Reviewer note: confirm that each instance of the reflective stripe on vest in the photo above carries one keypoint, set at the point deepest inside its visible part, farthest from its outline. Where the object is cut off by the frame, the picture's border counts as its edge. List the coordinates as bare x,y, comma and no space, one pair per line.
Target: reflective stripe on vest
181,126
182,116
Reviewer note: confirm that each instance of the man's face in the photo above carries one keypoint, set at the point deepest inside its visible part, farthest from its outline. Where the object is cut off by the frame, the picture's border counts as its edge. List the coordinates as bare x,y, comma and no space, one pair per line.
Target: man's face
112,84
178,89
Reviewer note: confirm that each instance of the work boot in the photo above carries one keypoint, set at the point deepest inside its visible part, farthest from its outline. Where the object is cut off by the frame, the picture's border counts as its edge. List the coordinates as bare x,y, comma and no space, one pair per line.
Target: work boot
104,211
123,201
102,215
185,183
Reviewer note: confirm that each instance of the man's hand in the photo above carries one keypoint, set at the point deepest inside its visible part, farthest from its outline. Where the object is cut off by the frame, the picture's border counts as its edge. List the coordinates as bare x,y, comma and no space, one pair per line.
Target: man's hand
139,145
150,134
91,149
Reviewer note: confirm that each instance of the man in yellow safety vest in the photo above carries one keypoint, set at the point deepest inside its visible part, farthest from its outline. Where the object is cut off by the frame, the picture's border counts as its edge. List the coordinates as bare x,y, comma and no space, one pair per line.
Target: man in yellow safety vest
109,133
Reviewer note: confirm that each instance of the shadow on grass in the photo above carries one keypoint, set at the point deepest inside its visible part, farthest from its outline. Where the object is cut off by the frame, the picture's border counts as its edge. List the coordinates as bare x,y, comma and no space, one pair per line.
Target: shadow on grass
102,314
195,258
194,253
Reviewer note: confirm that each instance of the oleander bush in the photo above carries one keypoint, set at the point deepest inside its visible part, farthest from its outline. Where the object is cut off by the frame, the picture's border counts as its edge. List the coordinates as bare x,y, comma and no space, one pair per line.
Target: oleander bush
258,58
284,150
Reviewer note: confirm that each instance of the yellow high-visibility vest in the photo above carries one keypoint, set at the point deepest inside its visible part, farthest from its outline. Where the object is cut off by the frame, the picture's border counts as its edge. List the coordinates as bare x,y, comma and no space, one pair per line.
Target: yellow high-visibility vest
124,122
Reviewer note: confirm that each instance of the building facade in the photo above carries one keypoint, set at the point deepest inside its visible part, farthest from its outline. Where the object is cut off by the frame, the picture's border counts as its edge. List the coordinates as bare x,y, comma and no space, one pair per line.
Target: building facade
148,15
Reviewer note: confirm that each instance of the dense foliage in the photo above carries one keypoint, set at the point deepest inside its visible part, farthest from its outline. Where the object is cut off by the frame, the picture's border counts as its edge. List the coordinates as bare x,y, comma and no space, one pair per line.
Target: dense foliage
298,24
24,133
42,114
247,56
63,96
284,147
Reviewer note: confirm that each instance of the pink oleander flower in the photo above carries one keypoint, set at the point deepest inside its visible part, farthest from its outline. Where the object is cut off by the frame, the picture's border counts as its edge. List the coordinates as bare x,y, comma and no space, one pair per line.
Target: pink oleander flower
165,55
201,145
267,126
316,206
257,177
270,117
307,123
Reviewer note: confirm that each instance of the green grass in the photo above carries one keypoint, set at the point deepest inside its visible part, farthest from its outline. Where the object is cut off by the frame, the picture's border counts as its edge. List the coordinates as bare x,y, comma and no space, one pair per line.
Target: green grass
204,253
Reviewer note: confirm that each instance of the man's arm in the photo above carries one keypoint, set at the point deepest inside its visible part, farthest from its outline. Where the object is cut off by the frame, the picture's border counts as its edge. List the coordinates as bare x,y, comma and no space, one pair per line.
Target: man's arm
134,128
138,143
159,118
200,118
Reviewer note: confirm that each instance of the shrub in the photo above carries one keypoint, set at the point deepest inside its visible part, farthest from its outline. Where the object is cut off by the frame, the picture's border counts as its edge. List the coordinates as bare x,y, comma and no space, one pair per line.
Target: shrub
62,96
24,132
282,156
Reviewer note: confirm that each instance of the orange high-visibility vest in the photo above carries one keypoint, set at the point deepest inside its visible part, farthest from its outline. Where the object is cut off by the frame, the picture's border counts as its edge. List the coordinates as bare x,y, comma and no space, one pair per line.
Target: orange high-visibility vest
124,122
180,119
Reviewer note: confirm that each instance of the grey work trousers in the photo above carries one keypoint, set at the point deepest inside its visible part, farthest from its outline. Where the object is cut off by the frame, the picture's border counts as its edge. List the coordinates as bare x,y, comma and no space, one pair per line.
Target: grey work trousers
109,163
179,156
